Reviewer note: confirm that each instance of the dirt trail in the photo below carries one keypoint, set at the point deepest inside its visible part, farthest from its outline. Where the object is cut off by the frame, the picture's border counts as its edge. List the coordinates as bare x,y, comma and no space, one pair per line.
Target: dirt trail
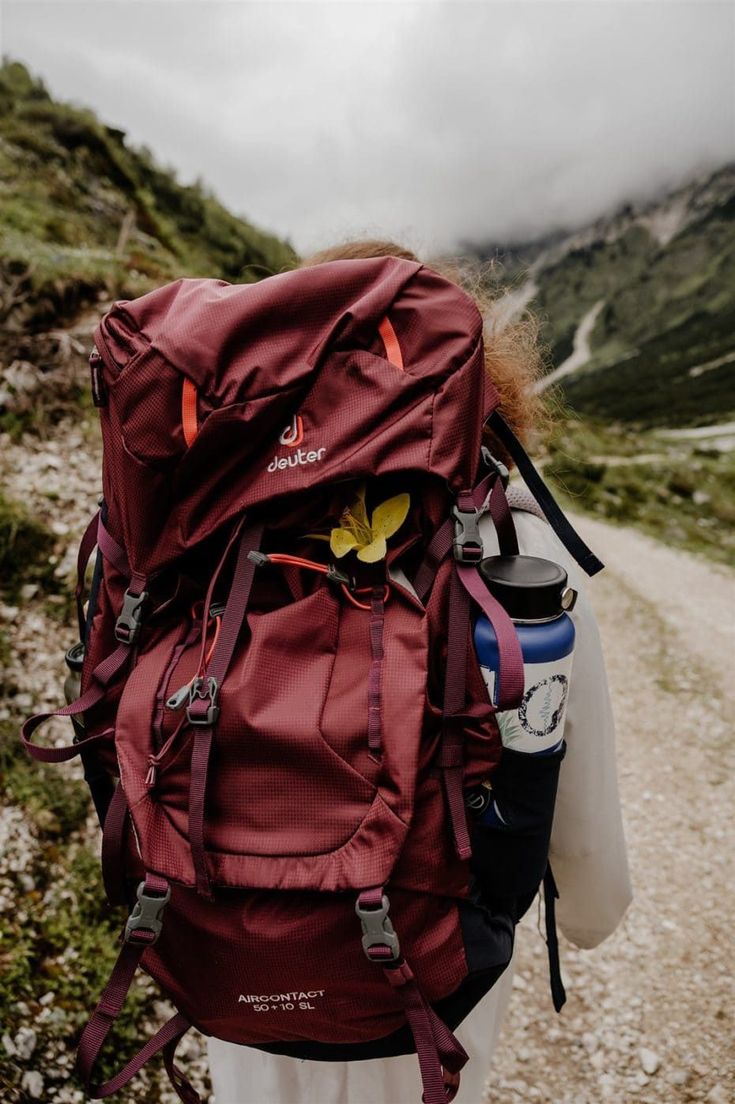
695,598
649,1015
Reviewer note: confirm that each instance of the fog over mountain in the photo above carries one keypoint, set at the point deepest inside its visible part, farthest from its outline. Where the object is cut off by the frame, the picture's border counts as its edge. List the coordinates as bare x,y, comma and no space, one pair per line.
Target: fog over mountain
432,122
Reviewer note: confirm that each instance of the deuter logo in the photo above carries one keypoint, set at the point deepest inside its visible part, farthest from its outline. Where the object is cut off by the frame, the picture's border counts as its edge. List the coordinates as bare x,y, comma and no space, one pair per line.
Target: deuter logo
292,436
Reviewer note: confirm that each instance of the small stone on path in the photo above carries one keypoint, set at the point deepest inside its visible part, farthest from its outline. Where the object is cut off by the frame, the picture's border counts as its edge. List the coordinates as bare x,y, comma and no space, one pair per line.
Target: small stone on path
649,1060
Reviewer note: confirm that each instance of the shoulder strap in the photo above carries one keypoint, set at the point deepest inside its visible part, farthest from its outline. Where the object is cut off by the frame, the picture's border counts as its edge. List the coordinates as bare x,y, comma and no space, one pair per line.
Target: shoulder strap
564,530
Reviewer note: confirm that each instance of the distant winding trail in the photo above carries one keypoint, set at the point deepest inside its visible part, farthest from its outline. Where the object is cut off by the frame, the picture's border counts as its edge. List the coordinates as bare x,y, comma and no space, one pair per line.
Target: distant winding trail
580,353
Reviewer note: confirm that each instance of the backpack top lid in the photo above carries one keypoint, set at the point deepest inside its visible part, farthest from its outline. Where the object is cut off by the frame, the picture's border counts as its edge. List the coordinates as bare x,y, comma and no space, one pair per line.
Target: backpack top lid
216,397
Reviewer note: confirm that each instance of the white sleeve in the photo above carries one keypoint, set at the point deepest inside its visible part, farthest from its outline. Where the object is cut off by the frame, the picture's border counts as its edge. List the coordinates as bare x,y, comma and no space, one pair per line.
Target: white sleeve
588,853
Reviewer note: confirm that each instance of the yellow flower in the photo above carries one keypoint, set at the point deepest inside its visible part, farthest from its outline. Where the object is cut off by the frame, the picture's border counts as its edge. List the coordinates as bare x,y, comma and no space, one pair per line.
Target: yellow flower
368,538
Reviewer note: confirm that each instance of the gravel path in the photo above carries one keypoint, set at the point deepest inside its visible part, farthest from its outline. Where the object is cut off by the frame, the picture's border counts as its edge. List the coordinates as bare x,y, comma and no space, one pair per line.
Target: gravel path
649,1015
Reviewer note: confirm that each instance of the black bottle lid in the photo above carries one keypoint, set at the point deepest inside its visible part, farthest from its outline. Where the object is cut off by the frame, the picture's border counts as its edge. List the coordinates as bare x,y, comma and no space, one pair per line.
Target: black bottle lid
528,588
75,657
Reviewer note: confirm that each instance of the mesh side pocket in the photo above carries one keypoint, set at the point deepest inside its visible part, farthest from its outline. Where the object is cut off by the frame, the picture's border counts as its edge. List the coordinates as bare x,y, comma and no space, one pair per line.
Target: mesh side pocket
509,859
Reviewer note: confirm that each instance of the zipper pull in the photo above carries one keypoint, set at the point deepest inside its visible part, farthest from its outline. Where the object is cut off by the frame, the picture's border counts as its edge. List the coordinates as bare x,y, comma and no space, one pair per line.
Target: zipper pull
179,699
99,390
152,776
156,759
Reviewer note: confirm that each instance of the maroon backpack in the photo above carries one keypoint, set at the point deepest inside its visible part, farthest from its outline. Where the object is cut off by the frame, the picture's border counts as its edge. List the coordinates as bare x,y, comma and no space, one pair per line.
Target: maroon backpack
278,740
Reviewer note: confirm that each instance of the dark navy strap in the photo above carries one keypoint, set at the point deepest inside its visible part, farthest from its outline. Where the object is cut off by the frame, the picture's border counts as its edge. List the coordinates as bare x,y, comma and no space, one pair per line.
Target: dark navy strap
563,528
558,993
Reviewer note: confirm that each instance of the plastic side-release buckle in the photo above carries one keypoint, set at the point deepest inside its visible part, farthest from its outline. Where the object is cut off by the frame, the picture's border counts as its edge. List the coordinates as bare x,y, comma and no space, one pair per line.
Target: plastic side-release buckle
467,542
206,690
147,914
378,935
127,626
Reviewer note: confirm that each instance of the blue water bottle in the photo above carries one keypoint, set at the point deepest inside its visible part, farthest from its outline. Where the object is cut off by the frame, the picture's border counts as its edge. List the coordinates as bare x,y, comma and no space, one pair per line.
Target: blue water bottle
536,595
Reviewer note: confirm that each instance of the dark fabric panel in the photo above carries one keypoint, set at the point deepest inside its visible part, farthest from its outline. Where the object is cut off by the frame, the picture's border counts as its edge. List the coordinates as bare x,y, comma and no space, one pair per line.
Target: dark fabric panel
509,860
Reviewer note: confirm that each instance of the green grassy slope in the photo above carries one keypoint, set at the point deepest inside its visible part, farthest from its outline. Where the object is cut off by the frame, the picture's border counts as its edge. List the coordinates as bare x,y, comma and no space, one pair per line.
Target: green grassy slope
681,492
82,211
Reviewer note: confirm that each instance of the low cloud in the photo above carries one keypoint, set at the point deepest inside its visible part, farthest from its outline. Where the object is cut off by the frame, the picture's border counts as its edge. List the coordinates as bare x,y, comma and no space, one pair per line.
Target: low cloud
430,122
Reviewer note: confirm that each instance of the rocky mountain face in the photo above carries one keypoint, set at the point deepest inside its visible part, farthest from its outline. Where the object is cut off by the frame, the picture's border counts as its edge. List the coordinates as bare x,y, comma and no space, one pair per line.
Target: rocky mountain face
653,285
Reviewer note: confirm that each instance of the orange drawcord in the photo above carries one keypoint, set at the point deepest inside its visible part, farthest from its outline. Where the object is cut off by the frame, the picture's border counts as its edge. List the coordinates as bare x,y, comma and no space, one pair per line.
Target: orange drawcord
196,613
155,760
323,569
297,561
217,627
189,414
390,342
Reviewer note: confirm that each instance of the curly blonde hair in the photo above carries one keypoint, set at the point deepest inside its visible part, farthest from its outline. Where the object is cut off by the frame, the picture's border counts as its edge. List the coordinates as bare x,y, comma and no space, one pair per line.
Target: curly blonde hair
514,357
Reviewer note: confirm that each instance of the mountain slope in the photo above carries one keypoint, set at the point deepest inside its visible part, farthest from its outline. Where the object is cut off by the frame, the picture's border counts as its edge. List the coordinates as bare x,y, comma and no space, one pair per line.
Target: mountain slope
665,276
82,211
638,313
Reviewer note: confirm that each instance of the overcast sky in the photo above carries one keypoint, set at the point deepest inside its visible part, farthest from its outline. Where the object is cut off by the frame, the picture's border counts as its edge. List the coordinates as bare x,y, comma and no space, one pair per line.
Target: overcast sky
431,121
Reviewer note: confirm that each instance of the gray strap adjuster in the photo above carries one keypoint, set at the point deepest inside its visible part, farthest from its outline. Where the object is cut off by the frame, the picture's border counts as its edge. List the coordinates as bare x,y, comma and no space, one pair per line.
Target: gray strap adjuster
467,542
377,931
127,626
147,914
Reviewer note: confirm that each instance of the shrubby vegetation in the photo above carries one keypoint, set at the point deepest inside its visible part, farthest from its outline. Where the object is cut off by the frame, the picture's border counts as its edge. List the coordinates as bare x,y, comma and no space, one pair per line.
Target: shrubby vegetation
82,211
26,546
683,376
682,493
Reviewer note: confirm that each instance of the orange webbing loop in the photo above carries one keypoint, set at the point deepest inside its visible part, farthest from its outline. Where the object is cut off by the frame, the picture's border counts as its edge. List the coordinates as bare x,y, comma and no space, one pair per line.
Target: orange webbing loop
392,348
350,595
189,419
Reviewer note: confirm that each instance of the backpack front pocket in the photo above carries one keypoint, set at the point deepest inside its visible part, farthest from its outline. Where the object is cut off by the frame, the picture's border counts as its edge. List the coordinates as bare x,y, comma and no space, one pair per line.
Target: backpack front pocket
293,792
